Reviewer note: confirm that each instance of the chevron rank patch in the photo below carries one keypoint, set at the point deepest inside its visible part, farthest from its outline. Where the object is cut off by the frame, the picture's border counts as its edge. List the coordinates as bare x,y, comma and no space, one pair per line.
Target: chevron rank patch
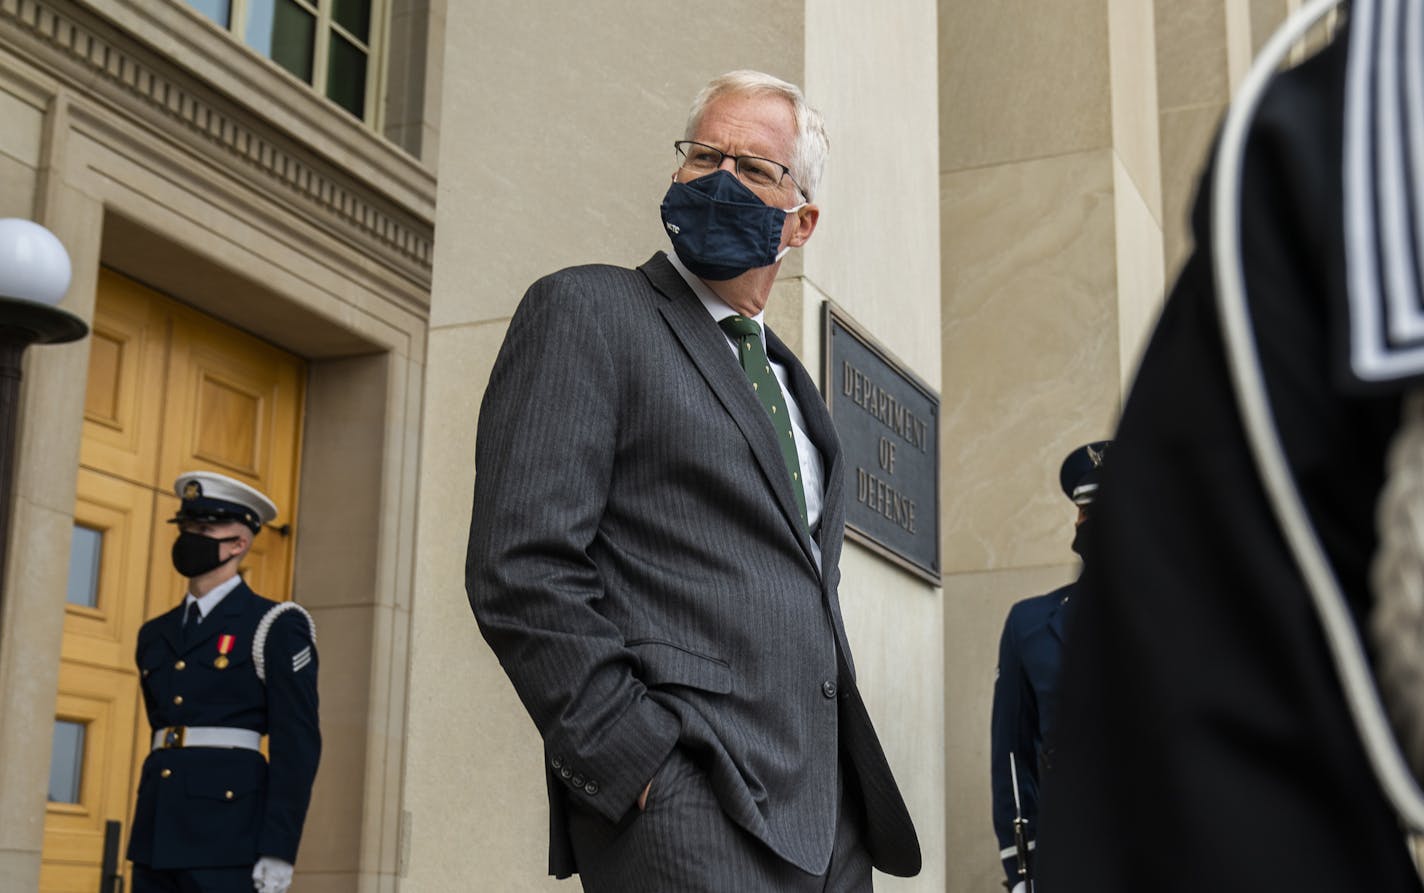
301,659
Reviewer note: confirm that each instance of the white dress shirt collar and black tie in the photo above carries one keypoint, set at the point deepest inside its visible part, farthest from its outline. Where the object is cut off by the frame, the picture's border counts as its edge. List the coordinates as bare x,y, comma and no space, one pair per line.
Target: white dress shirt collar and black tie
209,600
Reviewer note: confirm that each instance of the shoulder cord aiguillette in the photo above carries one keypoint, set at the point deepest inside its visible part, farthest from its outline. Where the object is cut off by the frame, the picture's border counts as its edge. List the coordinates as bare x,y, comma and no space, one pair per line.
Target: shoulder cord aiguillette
264,626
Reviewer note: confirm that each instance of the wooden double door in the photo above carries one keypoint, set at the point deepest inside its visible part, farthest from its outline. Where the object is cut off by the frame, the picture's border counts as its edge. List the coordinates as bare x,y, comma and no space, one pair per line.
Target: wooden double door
170,390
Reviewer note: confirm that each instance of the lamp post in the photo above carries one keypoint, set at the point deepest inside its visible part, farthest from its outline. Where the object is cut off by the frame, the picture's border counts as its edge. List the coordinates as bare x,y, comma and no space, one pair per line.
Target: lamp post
34,275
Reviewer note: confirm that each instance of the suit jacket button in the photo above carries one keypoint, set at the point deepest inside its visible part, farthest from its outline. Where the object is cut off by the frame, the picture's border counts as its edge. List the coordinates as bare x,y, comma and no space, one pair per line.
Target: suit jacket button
828,688
577,781
591,788
557,762
165,773
566,772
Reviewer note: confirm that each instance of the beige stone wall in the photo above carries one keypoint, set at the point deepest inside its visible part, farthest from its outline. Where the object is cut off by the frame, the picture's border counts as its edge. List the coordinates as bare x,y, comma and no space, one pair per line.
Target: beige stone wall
1203,50
556,149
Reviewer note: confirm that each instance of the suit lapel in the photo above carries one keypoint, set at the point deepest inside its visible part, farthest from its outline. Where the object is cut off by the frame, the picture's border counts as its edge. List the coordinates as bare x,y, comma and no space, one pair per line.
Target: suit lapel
707,347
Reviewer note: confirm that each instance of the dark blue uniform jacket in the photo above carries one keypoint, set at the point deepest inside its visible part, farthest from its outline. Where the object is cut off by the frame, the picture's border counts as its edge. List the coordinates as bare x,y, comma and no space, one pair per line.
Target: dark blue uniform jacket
206,807
1025,705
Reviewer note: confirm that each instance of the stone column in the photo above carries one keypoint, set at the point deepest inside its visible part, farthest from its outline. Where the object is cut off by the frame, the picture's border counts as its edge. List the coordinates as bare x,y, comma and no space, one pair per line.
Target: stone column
32,185
870,67
1052,268
1203,52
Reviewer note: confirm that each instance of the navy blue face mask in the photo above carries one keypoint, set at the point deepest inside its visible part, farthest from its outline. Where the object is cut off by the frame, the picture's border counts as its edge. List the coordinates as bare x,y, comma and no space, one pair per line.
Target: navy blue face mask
719,228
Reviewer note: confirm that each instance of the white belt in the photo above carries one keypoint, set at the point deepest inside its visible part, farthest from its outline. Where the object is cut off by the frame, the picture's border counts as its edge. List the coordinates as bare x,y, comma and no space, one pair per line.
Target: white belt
206,736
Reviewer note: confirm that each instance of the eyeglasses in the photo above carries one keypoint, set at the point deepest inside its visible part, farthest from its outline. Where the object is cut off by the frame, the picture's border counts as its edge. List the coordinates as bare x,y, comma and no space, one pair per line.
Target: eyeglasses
758,173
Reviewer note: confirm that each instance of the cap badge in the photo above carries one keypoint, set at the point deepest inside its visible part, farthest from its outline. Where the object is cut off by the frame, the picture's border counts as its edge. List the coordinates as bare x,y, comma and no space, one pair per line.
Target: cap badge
192,490
1095,456
225,643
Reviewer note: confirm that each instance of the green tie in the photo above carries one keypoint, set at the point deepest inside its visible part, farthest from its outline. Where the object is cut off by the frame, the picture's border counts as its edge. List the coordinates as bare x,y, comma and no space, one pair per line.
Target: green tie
747,334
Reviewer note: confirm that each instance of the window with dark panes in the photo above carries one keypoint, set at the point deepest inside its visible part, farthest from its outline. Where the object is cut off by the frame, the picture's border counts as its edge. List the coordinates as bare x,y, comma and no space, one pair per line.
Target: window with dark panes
329,44
350,48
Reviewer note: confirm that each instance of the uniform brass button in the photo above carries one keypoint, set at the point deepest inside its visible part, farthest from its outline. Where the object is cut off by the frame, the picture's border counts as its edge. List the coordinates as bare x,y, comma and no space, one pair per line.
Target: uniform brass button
227,794
181,665
178,699
145,673
165,773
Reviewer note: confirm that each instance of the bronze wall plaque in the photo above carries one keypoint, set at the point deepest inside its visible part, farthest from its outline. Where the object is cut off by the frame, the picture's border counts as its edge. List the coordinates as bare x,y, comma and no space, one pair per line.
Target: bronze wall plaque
888,421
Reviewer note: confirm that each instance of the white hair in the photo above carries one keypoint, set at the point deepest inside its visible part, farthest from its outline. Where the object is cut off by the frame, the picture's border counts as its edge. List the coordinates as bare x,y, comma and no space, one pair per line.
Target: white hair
812,145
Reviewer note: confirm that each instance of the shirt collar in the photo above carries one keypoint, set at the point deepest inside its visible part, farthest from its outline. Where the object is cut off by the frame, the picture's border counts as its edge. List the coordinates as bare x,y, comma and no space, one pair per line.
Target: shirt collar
718,308
210,600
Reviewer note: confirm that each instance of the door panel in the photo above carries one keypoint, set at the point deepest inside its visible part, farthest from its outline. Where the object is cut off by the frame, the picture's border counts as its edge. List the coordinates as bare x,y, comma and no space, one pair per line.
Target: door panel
105,705
121,513
124,396
170,390
240,400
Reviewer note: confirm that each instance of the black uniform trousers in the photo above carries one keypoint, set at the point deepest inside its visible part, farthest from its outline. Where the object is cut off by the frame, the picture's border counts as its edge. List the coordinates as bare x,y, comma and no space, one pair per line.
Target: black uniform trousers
684,843
192,880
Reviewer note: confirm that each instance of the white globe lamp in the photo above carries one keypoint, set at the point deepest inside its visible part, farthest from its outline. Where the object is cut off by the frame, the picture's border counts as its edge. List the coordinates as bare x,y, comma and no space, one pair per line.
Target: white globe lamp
34,275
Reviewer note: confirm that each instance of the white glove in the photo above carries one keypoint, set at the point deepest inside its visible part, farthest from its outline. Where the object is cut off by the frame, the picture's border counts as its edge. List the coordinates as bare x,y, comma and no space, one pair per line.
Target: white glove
1020,887
271,875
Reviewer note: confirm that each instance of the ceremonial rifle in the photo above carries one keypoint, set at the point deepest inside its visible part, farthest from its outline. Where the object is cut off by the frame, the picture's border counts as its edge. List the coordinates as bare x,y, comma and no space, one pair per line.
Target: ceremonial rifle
1020,823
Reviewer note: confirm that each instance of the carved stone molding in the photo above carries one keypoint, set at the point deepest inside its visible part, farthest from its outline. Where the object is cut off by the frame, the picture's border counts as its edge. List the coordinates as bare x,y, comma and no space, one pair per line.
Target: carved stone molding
96,58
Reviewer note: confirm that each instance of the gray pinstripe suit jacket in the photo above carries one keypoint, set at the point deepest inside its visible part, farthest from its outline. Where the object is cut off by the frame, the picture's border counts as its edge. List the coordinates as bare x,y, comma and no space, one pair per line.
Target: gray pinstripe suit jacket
636,563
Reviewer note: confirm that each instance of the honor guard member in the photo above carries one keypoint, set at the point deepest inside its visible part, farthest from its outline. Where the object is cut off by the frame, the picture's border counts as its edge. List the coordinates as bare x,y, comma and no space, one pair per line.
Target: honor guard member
1026,686
1223,720
219,671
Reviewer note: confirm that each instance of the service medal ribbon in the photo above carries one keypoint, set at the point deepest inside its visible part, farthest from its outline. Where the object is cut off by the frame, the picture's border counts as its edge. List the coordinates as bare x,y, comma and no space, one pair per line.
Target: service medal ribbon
225,643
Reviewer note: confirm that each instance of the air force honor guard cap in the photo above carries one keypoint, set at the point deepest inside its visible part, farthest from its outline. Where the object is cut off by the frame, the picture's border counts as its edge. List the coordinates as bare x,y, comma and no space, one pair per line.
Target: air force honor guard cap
209,496
1081,471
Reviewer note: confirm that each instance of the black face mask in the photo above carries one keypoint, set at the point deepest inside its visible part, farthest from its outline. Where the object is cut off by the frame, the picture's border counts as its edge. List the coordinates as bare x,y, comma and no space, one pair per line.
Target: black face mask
1081,535
195,554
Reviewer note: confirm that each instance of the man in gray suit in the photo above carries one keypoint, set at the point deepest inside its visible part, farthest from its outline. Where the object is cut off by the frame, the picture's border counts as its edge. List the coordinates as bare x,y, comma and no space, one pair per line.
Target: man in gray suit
658,518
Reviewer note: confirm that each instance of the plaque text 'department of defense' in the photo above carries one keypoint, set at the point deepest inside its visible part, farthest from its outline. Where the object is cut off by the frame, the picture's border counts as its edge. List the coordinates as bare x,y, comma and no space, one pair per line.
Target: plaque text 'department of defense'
888,421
